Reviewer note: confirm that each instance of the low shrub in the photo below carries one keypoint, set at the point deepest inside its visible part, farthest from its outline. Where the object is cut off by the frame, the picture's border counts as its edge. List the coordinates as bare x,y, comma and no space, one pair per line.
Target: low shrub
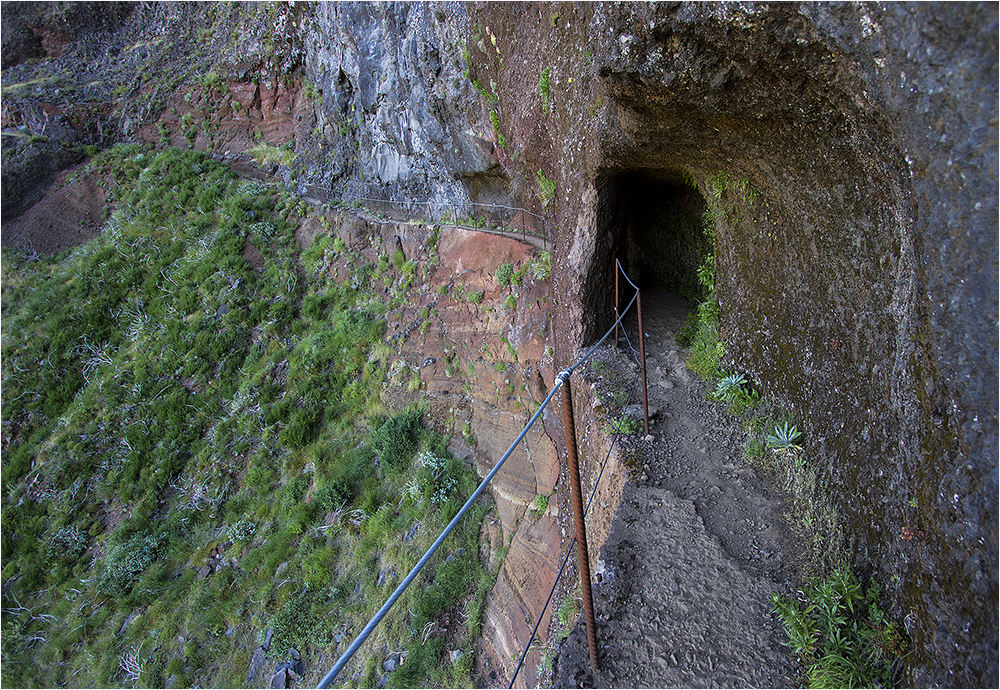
504,273
395,439
124,562
541,266
623,426
841,635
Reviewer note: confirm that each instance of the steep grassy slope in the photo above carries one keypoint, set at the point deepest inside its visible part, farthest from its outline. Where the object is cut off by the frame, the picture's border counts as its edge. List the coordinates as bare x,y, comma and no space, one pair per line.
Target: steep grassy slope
196,455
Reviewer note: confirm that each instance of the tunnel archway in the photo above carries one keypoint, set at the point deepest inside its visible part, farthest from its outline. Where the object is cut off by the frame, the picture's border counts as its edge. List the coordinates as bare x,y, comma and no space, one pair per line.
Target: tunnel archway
653,221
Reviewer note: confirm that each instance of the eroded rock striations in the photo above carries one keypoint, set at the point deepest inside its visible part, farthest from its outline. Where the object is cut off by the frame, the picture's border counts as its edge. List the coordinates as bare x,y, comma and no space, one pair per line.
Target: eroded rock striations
846,154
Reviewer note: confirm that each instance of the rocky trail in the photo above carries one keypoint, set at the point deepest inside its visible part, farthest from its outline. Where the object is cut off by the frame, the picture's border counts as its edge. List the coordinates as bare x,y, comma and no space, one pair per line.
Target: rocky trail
695,548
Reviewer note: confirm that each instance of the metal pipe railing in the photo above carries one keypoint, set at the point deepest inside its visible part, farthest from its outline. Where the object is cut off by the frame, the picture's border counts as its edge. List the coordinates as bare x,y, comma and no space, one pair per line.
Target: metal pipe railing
468,209
581,528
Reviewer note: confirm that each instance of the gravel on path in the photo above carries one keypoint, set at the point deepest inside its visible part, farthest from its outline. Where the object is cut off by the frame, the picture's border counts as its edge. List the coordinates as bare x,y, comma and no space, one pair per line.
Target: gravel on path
698,543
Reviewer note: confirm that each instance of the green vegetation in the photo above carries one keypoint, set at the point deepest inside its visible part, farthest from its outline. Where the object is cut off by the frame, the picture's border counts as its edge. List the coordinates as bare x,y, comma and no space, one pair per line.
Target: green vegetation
727,197
623,426
735,391
265,153
196,451
838,633
841,635
504,273
784,439
543,90
546,188
541,266
701,333
774,446
568,612
495,121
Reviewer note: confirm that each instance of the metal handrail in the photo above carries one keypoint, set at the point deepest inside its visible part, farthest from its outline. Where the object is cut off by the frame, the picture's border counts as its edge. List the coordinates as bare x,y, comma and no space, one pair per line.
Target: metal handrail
471,204
469,207
384,610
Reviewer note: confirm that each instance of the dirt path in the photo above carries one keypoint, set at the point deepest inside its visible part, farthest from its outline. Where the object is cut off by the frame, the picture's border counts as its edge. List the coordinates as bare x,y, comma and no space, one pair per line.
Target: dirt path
697,545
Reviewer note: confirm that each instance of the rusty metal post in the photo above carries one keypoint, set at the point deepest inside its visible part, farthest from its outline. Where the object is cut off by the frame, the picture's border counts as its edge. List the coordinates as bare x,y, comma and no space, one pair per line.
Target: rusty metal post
642,363
581,530
617,302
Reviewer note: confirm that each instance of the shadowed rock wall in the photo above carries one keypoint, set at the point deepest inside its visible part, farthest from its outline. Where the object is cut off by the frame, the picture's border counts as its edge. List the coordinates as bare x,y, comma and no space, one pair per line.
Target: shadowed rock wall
856,232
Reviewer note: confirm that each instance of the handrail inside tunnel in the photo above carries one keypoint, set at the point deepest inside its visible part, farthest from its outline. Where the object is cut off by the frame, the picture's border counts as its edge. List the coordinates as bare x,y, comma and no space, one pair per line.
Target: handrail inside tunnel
560,379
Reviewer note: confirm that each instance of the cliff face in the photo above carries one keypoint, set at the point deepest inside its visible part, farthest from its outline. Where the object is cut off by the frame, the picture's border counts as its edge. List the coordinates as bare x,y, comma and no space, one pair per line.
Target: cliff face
847,155
855,246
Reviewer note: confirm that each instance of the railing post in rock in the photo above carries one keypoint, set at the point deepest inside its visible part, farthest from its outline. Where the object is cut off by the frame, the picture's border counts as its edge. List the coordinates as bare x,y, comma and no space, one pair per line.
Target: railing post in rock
642,363
581,530
617,302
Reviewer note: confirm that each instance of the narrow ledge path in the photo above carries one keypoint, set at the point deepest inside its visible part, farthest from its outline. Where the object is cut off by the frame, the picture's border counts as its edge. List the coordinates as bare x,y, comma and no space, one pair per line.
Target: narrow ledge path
696,546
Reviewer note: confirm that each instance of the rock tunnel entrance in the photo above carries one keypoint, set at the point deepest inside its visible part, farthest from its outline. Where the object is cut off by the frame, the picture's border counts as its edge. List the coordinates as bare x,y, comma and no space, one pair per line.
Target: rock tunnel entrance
653,221
661,241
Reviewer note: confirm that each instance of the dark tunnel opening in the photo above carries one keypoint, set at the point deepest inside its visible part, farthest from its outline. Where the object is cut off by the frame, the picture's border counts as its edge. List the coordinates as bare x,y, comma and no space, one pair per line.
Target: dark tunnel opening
654,221
660,237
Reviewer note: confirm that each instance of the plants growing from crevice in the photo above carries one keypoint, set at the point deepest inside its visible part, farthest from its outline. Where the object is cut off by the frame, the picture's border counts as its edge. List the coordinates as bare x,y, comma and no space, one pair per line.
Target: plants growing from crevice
836,628
725,200
736,392
504,273
625,425
495,121
541,505
701,332
544,90
839,632
546,188
541,266
784,439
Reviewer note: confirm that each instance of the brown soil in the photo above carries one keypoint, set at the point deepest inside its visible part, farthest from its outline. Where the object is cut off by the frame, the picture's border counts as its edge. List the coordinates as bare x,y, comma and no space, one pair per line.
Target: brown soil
697,545
72,212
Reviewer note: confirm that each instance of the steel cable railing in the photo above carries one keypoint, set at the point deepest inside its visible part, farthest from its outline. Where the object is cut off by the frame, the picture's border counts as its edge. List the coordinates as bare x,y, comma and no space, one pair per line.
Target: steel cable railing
398,592
593,493
467,209
472,205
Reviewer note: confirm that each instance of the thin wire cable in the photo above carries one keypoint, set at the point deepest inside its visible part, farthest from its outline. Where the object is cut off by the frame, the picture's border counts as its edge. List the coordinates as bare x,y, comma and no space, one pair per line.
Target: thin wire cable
614,440
545,608
377,618
635,354
610,330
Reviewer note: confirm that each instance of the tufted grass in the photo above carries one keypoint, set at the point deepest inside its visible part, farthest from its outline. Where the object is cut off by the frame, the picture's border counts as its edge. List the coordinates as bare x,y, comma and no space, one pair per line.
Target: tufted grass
167,406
